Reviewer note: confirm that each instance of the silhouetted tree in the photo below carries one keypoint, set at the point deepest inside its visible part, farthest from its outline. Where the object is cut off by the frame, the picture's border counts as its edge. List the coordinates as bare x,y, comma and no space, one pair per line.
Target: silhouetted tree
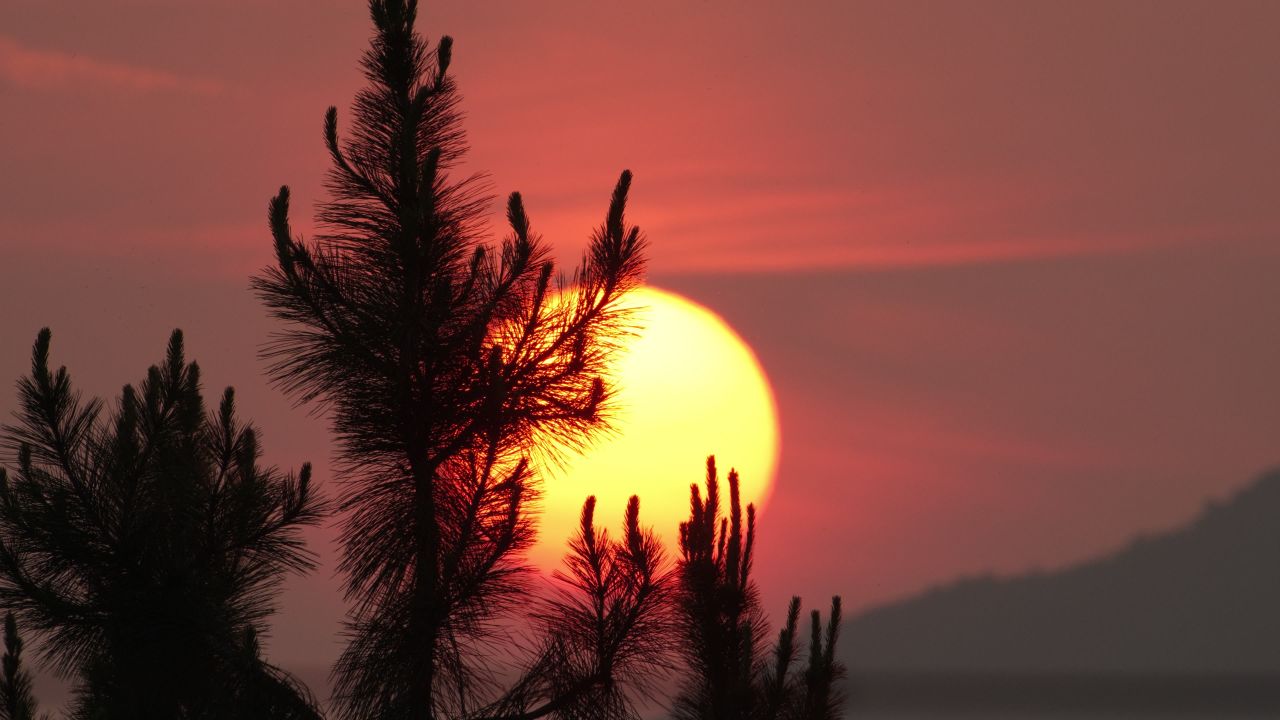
610,618
145,545
822,699
445,363
722,629
719,609
17,702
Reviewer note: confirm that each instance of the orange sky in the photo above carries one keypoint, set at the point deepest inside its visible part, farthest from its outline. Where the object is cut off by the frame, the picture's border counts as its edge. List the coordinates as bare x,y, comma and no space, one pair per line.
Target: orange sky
1010,265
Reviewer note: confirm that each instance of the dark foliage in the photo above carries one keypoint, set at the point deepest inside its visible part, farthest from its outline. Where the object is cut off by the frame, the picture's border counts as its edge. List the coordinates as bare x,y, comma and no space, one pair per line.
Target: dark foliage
447,365
17,702
145,545
722,629
610,618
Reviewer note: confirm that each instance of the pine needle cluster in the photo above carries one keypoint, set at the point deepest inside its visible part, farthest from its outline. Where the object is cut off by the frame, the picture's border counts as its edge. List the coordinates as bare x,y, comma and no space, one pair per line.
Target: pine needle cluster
722,628
17,701
609,619
145,544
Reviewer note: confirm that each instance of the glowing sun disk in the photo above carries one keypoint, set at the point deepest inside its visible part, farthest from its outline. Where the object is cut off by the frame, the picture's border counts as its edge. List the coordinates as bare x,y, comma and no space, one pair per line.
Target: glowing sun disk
686,387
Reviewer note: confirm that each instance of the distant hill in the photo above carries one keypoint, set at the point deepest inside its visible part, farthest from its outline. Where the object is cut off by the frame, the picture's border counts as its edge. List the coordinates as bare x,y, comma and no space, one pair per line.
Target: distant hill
1202,600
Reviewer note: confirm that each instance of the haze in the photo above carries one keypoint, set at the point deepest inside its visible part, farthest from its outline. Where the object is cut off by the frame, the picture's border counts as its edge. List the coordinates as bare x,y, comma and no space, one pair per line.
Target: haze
1011,266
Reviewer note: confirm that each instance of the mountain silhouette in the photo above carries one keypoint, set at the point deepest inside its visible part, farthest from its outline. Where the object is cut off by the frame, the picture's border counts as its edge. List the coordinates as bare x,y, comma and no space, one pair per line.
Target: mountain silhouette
1203,600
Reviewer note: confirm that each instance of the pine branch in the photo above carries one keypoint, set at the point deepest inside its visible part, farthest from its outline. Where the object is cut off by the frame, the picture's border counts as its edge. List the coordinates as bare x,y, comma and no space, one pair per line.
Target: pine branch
446,364
141,544
17,701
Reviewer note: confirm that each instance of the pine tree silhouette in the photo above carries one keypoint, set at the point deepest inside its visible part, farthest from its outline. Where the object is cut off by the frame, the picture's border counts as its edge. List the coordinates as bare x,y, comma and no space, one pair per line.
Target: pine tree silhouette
446,364
142,545
17,702
719,609
722,628
822,699
612,611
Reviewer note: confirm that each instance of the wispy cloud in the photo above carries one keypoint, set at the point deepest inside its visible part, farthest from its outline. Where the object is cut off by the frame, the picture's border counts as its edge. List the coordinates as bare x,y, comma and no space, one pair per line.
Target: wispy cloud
33,68
189,250
730,229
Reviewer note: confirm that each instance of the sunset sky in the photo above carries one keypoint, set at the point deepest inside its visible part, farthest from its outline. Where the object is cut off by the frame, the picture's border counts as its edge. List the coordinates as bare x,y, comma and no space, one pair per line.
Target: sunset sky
1011,267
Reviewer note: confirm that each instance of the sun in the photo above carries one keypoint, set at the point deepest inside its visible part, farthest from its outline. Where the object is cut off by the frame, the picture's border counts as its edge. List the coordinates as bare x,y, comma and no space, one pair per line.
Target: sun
687,387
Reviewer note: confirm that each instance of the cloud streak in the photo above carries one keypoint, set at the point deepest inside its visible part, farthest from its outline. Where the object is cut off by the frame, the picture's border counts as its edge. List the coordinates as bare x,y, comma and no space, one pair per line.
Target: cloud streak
35,69
751,230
